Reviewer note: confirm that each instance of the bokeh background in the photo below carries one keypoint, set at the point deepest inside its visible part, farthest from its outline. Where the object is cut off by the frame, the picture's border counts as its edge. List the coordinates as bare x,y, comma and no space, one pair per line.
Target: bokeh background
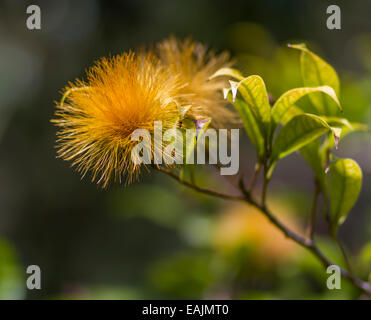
156,239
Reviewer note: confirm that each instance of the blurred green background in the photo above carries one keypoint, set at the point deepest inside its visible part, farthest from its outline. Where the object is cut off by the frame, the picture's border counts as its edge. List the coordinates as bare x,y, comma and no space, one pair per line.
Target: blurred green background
155,239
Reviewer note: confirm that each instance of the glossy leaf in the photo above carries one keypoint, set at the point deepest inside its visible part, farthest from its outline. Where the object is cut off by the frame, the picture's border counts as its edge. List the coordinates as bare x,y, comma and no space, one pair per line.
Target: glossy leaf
252,90
346,128
311,153
345,185
314,155
291,113
298,132
227,72
317,72
289,98
250,123
191,137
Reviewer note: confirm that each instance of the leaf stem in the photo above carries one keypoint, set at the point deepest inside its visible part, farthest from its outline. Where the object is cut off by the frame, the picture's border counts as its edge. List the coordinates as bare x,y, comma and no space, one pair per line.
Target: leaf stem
255,175
313,211
265,187
344,254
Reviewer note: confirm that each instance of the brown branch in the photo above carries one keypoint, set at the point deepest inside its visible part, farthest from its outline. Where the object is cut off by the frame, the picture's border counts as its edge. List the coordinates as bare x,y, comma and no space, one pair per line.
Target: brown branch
306,243
200,189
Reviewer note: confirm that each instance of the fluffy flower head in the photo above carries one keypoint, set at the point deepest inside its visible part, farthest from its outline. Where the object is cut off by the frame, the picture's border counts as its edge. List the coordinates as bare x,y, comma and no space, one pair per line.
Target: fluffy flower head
97,118
196,64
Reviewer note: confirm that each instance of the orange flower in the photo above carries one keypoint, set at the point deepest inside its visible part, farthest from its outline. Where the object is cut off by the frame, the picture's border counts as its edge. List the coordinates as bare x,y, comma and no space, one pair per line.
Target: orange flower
96,121
97,117
195,65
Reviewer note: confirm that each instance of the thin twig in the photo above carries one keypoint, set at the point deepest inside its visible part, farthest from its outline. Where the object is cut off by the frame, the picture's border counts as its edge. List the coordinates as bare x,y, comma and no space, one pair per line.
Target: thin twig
265,187
200,189
302,241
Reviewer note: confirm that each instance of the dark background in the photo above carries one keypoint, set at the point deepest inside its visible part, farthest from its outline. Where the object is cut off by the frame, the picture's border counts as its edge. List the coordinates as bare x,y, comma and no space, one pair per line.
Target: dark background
153,239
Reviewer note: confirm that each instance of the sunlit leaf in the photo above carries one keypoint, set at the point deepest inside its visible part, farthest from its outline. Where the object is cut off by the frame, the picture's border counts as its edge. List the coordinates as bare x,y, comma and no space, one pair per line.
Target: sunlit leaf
191,138
346,126
252,90
190,144
311,153
250,123
344,185
234,88
228,72
225,92
291,113
315,156
315,153
298,132
317,72
365,257
289,98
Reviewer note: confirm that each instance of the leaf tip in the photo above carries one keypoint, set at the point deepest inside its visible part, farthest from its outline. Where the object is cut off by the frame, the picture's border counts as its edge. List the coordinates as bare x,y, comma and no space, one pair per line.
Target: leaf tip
336,138
336,132
234,87
225,93
199,124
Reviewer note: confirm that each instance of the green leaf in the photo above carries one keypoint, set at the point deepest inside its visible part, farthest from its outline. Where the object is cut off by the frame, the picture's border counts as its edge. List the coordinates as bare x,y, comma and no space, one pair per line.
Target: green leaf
315,153
346,128
315,157
183,111
290,113
345,124
253,91
311,153
289,98
229,72
190,145
297,133
203,128
317,72
199,129
249,122
345,185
